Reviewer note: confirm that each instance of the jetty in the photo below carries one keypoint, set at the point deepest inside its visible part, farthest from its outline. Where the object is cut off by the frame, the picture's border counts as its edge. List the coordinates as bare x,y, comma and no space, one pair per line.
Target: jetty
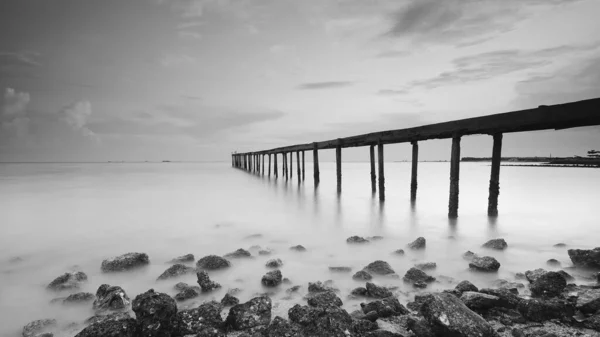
544,117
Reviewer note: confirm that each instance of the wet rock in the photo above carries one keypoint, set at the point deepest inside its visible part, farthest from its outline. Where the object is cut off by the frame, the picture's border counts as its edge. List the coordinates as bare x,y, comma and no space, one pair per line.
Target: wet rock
587,258
78,298
183,259
359,291
379,267
553,263
417,303
504,284
110,298
175,271
419,243
533,275
317,287
114,325
498,244
340,269
363,327
272,278
566,275
125,262
386,307
420,328
322,321
448,316
520,276
229,300
398,252
281,327
180,286
376,291
39,328
417,277
465,286
560,245
356,239
479,301
469,255
254,236
323,299
508,299
298,248
588,301
485,264
375,238
206,284
264,252
187,293
72,280
539,310
597,277
238,254
362,276
593,322
253,313
274,263
213,262
550,284
205,317
293,289
154,313
426,266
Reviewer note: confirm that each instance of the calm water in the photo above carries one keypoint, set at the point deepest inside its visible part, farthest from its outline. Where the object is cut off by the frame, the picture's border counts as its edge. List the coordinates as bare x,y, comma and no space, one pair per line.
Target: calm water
62,217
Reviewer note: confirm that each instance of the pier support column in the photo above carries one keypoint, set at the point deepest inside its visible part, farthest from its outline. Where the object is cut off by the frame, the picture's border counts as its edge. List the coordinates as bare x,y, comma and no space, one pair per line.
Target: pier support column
381,172
413,174
285,172
298,166
263,164
275,172
373,175
316,173
338,167
454,175
495,176
291,164
269,165
302,165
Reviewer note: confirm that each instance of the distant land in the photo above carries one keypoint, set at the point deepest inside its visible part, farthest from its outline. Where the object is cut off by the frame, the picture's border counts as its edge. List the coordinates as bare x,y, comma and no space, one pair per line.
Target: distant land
579,161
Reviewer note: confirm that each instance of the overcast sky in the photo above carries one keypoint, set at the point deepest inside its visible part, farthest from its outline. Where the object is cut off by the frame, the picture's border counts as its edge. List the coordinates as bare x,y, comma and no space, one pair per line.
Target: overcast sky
100,80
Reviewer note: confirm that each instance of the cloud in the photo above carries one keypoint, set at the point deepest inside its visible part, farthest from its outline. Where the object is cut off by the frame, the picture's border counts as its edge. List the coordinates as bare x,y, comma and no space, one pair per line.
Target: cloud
392,92
15,103
324,85
76,116
186,34
19,59
177,60
393,54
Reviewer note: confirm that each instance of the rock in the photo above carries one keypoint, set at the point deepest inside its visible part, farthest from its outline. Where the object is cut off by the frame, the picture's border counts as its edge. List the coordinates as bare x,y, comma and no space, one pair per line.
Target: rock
469,255
110,298
448,316
254,236
419,243
385,307
420,328
520,276
587,258
504,284
114,325
498,244
377,291
508,299
479,301
213,262
375,238
72,280
539,310
588,301
293,289
593,322
206,284
363,327
398,252
154,313
560,245
379,267
229,300
356,239
125,262
417,277
566,275
253,313
317,287
175,271
39,328
533,275
362,276
264,252
550,284
180,286
78,298
465,286
417,303
205,317
298,248
183,259
597,277
340,269
281,327
485,263
324,299
238,254
274,263
322,321
272,278
187,293
426,265
553,263
360,291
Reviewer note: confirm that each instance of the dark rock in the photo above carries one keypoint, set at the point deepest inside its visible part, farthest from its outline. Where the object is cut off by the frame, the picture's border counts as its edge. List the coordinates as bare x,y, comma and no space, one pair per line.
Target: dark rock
154,313
420,285
379,267
597,277
485,264
175,271
383,333
504,284
533,275
550,284
110,298
213,262
360,291
298,248
229,300
540,310
340,269
187,293
421,328
426,265
79,298
588,301
323,299
72,280
376,291
419,243
238,254
317,287
520,276
203,318
386,307
125,262
448,316
566,275
417,277
322,321
553,263
274,263
587,258
479,301
593,322
183,259
180,286
114,325
286,281
560,245
498,244
417,303
375,238
206,284
253,313
453,292
508,299
465,286
254,236
356,239
281,327
293,289
272,278
469,255
264,252
398,252
39,327
360,327
362,276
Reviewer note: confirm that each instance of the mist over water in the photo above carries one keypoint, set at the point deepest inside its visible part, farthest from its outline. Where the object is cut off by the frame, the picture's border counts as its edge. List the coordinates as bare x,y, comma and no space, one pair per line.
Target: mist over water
63,217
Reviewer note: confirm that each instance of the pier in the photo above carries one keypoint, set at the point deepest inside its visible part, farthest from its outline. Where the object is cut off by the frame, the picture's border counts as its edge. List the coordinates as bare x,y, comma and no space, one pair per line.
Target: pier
544,117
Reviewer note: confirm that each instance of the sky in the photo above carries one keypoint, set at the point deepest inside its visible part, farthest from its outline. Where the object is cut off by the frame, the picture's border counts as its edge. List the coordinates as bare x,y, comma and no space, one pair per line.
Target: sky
195,80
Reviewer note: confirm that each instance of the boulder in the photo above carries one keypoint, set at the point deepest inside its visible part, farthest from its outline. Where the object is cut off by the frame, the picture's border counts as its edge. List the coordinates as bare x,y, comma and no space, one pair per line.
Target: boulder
180,286
188,258
504,284
356,239
375,238
264,252
125,262
78,298
560,245
398,252
187,293
566,275
281,327
229,300
360,291
110,298
272,278
479,301
533,275
206,284
465,286
386,307
213,262
539,310
448,316
39,328
154,313
379,267
420,328
323,299
317,287
298,248
419,243
293,289
588,301
72,280
469,255
175,271
274,263
417,303
485,264
205,317
322,321
376,291
550,284
426,265
253,313
553,263
238,254
417,277
587,258
362,275
113,325
508,299
340,269
498,244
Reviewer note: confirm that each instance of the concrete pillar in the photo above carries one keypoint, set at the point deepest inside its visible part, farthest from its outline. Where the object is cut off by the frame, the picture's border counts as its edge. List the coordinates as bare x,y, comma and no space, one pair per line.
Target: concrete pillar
338,167
291,164
275,165
454,175
413,174
298,173
316,173
269,165
495,176
381,172
302,165
373,175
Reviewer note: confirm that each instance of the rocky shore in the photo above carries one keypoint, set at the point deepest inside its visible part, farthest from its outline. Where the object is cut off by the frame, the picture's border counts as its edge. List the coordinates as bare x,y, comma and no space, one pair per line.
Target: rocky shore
536,303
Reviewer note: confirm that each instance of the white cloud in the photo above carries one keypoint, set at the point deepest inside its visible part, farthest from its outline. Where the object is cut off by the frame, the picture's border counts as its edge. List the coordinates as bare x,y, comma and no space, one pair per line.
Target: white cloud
15,103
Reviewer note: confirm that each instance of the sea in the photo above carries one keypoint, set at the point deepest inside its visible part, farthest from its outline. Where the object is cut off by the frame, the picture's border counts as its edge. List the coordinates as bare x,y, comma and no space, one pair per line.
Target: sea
60,217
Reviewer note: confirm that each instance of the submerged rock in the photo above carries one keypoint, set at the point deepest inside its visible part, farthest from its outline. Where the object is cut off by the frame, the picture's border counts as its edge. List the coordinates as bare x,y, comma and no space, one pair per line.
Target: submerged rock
553,263
240,253
39,328
587,258
264,252
205,317
533,275
154,313
379,267
298,248
504,284
321,321
253,313
183,259
229,300
187,293
206,284
550,284
213,262
508,298
465,286
340,269
426,265
325,298
175,271
419,243
498,244
78,298
375,238
417,277
110,298
376,291
479,301
125,262
356,239
539,310
386,307
72,280
317,287
588,301
362,276
485,263
274,263
359,291
560,245
469,255
398,252
272,278
114,325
